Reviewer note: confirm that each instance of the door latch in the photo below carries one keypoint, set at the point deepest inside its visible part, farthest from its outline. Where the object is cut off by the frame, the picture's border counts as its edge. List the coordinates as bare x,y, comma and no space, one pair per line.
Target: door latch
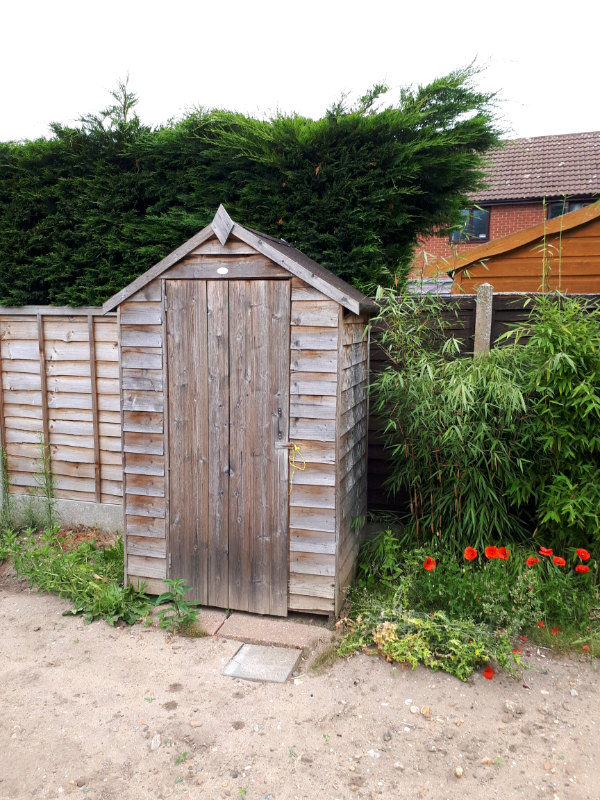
278,423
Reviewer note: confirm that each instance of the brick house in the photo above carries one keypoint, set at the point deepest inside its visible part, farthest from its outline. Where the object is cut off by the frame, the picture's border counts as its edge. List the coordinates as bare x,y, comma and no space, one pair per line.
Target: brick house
530,180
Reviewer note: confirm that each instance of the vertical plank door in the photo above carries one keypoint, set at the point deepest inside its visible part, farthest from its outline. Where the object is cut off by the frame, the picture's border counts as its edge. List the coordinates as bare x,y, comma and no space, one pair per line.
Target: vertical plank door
259,315
187,352
228,357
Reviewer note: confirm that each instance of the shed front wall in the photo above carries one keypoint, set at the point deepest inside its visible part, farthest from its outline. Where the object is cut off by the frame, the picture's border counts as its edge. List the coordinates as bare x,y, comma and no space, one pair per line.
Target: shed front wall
327,394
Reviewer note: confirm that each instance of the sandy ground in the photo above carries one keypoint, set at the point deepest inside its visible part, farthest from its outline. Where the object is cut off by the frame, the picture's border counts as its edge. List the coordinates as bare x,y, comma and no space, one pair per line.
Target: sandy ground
88,711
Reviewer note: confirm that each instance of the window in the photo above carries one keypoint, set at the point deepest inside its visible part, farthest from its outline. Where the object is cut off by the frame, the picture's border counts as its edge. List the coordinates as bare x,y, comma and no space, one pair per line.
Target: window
476,227
565,206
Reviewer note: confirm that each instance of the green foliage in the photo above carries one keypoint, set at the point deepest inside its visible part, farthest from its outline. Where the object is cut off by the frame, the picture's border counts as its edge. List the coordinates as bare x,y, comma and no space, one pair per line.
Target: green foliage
85,212
500,594
562,430
7,519
451,425
379,559
456,646
87,575
179,612
489,447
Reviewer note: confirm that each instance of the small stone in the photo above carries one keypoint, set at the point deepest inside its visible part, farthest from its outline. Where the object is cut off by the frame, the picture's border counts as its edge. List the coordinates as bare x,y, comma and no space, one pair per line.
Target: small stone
544,691
224,783
155,743
37,628
353,788
399,766
548,765
425,711
306,759
72,783
408,702
458,772
387,736
195,724
574,692
486,761
459,723
414,709
80,782
352,768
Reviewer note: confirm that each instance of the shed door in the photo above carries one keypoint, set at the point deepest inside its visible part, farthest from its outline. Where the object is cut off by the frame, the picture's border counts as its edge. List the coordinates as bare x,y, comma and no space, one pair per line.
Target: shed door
228,376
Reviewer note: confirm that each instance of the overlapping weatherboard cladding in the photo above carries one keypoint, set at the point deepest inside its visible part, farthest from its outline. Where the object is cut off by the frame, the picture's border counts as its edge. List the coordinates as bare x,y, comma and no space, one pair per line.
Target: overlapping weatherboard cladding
314,343
60,385
143,379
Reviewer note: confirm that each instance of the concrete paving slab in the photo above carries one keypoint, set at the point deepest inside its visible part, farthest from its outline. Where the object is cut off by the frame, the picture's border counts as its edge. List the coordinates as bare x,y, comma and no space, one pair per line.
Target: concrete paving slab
254,662
211,619
255,629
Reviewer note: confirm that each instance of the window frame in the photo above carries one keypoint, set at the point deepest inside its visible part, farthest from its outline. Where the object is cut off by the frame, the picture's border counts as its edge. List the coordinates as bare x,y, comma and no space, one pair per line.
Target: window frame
566,205
464,235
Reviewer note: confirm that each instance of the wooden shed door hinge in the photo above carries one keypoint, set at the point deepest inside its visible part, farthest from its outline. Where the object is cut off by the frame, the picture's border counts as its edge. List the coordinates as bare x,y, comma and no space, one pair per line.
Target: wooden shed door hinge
169,560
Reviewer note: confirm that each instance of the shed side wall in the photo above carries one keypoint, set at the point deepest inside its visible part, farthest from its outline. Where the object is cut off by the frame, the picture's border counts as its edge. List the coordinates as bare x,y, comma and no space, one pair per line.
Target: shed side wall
352,455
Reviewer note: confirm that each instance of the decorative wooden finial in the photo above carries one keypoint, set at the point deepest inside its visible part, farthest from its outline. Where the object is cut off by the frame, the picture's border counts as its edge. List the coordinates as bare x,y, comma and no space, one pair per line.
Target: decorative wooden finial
222,225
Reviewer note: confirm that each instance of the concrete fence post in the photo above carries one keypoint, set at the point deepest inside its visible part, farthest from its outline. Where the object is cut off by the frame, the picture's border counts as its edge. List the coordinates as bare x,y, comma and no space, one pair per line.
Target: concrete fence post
483,318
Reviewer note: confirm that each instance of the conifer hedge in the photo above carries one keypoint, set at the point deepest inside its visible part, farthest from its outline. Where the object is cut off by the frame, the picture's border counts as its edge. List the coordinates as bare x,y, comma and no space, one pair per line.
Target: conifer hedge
88,209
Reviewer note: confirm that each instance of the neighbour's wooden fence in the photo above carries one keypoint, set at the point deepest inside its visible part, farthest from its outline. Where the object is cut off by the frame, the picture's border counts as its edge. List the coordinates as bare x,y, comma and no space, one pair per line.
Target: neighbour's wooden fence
60,385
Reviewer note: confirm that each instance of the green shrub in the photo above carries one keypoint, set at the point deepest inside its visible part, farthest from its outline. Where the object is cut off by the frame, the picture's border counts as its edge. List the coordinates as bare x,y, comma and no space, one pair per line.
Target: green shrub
561,432
451,425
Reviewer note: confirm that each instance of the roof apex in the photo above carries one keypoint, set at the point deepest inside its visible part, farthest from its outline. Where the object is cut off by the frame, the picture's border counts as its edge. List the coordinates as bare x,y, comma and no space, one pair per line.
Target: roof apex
277,250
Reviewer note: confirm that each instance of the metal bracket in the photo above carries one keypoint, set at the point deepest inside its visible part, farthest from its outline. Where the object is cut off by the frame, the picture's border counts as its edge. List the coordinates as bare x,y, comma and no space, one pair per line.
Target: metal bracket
278,423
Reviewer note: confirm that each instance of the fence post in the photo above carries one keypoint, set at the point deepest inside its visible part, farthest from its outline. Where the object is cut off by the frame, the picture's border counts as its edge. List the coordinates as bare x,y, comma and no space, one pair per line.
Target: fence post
483,318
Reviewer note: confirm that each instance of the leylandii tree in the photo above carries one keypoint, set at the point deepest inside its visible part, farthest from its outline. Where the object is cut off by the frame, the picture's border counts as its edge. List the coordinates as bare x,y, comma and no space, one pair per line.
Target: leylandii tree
85,211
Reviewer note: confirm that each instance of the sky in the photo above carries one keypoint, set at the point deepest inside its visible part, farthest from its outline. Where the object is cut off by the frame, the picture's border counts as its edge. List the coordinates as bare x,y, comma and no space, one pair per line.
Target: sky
59,59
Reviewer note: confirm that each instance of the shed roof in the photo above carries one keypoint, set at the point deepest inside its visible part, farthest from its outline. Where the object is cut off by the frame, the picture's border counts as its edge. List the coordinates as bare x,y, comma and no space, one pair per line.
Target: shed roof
278,250
558,225
544,166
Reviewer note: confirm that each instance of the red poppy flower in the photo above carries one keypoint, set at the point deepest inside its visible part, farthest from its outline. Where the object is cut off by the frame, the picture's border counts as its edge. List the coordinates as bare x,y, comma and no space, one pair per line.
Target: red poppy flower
488,673
503,553
560,562
518,650
585,648
532,560
582,568
545,551
429,564
583,554
523,638
470,553
555,631
541,624
491,552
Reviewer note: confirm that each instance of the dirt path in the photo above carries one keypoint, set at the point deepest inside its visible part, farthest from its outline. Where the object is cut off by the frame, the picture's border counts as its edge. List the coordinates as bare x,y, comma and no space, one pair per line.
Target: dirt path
81,708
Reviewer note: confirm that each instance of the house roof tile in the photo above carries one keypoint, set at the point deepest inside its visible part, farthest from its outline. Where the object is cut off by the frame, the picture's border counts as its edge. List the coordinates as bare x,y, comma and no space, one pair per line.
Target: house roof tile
544,166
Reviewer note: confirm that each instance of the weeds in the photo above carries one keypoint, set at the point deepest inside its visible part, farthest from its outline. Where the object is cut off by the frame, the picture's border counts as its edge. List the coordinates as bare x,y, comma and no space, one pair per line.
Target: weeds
179,611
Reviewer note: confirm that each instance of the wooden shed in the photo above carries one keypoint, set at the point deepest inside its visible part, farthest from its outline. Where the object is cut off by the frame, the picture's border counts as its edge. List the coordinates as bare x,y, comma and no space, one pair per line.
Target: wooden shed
570,245
233,349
